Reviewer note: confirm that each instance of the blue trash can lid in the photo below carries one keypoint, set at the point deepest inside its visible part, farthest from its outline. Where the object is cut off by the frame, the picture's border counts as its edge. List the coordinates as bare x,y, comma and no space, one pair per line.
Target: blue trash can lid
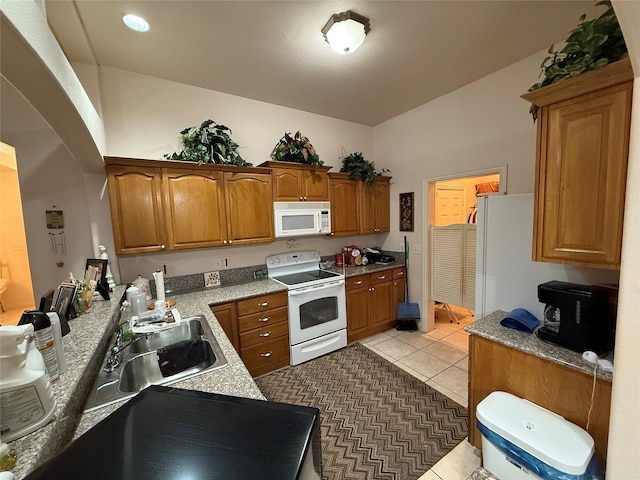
538,431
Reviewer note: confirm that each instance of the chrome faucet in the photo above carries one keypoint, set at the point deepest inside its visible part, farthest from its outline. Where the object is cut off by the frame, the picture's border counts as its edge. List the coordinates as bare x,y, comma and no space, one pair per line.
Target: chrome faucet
113,360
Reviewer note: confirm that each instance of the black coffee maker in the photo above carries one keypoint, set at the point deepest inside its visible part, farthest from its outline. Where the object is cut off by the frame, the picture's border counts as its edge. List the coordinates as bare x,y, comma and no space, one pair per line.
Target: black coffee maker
575,315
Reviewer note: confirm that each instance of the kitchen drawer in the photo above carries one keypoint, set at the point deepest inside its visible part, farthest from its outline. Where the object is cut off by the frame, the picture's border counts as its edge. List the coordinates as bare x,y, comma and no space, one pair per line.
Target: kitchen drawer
357,282
264,334
267,356
381,277
399,273
263,319
260,304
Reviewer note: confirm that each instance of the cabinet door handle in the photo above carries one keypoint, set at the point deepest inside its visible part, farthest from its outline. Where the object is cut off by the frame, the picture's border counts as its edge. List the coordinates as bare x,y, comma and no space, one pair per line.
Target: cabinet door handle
268,354
382,277
263,304
359,282
400,274
300,198
162,247
224,241
230,241
264,319
265,334
305,199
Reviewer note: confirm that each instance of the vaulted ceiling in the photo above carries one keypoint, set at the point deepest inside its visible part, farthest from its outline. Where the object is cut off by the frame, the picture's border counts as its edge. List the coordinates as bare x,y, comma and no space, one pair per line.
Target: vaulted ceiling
273,51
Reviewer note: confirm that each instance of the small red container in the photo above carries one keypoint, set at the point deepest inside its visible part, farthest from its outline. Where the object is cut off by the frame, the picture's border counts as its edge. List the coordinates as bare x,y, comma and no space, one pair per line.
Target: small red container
339,260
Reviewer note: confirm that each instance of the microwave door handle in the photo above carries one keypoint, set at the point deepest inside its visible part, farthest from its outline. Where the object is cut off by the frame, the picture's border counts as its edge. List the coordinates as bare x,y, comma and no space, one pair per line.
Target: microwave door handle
315,289
319,222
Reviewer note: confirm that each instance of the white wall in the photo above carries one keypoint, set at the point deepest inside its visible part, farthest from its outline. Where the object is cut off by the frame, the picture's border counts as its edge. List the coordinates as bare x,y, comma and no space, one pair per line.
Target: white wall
482,125
623,461
143,116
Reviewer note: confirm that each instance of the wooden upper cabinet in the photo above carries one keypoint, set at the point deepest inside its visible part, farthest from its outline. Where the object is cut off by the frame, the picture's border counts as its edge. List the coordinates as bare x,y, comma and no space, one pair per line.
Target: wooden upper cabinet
297,182
581,167
249,207
194,208
164,205
345,204
374,206
136,209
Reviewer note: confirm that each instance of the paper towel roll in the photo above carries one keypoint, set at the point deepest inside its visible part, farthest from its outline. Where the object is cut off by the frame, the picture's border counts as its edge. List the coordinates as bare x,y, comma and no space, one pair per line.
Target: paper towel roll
159,278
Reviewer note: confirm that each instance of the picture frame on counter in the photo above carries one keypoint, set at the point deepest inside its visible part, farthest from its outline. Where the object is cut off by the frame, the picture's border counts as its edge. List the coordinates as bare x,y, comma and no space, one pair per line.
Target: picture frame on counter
63,302
95,274
406,212
95,271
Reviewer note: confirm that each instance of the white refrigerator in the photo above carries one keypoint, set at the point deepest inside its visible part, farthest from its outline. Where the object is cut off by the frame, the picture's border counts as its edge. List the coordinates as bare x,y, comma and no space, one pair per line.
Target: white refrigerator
506,277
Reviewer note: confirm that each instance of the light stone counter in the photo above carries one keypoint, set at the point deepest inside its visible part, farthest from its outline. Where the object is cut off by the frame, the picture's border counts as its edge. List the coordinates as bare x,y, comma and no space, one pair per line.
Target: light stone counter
86,345
489,327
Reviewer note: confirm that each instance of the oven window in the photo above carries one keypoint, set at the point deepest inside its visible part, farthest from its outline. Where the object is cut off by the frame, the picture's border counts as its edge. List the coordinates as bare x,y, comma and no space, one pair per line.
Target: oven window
298,222
318,311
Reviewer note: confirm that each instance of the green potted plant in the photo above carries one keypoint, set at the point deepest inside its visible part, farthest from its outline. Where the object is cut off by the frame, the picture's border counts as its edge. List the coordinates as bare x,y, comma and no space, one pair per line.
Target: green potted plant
591,45
359,168
296,149
208,143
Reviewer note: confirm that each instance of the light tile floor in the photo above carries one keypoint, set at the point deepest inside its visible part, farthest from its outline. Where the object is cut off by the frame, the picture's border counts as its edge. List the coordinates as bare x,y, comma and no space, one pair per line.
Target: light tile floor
440,359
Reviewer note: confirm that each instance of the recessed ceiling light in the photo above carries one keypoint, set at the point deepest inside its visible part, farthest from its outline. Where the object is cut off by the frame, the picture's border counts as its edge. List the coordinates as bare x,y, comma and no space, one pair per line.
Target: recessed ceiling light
135,22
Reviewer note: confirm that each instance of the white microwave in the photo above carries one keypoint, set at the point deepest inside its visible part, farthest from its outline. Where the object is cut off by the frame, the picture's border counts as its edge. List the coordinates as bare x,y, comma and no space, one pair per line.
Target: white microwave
294,219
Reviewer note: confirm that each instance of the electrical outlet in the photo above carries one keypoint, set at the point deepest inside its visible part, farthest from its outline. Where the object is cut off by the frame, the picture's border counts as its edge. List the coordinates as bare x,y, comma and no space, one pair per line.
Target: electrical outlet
218,263
417,248
212,279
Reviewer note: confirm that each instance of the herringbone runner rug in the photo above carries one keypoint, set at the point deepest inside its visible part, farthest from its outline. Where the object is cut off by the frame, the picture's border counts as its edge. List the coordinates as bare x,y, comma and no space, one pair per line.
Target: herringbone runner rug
377,421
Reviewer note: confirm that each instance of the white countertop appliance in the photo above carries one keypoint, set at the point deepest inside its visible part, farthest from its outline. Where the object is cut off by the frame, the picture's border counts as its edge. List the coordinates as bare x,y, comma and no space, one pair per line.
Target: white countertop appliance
317,304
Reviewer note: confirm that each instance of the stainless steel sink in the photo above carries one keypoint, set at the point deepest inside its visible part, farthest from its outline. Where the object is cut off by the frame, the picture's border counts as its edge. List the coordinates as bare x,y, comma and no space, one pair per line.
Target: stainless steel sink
158,358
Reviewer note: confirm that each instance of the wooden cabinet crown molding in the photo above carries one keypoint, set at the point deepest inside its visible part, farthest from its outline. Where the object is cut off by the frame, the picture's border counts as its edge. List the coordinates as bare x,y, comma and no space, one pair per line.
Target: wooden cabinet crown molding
293,166
139,162
613,74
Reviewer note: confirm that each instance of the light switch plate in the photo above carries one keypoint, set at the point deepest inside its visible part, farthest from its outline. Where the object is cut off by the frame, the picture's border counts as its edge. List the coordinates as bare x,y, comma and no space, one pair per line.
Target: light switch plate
417,248
212,279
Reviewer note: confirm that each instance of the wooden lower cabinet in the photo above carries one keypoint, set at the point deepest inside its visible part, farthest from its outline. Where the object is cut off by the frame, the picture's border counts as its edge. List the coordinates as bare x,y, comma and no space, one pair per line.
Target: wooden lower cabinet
228,320
371,303
398,292
258,328
560,389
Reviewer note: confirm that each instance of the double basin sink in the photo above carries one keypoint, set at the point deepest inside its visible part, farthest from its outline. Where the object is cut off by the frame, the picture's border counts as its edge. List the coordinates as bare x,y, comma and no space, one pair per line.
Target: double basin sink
159,358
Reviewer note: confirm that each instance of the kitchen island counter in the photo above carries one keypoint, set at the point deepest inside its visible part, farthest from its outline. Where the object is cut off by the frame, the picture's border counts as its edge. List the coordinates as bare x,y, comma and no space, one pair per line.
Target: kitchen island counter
86,346
489,327
553,377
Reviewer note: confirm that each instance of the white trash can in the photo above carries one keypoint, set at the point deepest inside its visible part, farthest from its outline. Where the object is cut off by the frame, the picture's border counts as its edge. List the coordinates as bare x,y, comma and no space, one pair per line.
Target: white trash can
523,441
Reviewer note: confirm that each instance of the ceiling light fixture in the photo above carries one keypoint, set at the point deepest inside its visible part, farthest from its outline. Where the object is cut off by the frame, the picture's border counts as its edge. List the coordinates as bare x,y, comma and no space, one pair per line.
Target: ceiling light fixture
134,22
345,31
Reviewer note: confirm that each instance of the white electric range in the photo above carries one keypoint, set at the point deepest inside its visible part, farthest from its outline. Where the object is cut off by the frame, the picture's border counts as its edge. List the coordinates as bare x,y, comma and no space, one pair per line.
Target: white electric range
317,304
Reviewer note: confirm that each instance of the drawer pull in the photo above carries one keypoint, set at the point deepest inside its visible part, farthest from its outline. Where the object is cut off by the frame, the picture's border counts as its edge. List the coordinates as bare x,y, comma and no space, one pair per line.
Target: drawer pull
263,304
400,274
268,354
265,334
359,282
382,277
264,319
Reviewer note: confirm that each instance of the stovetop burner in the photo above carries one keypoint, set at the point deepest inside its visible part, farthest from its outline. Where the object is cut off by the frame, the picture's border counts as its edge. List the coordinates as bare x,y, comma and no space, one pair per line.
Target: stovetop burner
305,277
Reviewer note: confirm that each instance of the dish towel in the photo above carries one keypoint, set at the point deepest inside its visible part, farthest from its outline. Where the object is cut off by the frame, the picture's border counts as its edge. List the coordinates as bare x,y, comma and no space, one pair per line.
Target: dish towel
520,319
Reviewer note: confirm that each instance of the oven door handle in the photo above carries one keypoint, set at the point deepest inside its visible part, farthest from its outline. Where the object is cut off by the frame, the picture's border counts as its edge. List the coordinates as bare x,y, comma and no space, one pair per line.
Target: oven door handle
315,289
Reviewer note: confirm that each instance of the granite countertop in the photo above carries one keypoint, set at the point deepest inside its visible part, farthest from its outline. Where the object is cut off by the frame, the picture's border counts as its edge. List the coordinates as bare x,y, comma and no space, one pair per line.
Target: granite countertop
84,348
86,345
489,327
363,270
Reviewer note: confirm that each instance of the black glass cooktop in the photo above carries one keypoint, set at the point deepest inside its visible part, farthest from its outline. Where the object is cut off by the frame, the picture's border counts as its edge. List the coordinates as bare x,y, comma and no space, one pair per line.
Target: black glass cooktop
305,277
